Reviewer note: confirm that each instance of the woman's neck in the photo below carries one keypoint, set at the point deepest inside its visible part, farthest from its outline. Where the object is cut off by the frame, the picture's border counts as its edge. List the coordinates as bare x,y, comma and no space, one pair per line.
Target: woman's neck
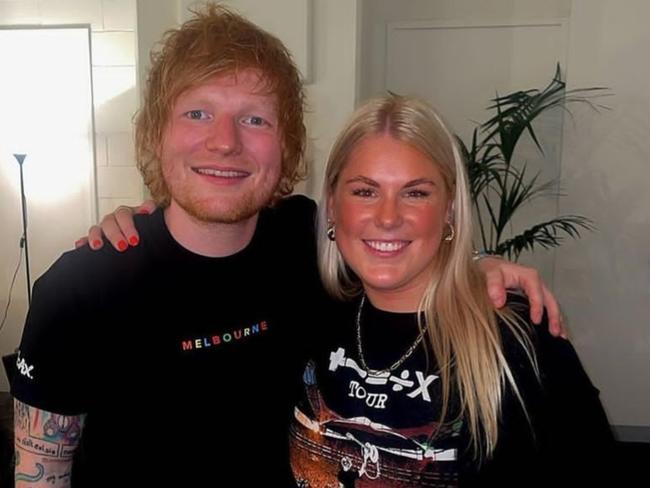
394,302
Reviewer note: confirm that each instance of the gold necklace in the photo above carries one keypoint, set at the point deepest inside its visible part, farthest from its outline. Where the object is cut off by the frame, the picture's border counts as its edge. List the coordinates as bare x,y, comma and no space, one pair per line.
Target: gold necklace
396,364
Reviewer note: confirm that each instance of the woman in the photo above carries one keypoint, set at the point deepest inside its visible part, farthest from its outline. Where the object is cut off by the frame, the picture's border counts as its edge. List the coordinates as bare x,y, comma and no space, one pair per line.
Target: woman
417,381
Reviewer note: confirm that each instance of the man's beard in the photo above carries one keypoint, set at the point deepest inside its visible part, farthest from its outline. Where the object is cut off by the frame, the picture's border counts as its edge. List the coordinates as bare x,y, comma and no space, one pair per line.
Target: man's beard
246,207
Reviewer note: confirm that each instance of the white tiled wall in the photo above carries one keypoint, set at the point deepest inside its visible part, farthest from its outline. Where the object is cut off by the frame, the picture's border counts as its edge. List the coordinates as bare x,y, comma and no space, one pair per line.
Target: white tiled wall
119,15
115,98
113,48
14,12
113,41
72,12
101,150
117,182
120,149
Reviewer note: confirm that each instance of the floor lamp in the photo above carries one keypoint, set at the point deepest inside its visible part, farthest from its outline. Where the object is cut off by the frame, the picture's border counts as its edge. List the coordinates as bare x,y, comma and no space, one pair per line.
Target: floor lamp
23,240
9,361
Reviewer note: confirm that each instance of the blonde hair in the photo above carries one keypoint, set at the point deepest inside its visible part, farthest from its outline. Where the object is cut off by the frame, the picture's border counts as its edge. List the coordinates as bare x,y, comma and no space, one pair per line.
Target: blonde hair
217,41
462,326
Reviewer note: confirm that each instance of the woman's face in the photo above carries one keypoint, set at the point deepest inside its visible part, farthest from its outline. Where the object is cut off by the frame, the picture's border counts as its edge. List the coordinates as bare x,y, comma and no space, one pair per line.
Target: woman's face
390,207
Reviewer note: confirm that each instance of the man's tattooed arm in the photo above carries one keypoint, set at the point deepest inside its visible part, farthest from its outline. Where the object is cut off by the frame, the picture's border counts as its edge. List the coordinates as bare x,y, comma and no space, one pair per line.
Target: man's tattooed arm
45,445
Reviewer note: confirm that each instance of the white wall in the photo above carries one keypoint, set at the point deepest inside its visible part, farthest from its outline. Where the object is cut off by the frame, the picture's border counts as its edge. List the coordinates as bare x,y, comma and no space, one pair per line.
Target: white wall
331,95
113,68
603,279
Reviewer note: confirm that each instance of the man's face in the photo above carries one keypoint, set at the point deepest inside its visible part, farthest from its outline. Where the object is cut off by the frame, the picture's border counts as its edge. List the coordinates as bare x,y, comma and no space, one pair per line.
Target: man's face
221,152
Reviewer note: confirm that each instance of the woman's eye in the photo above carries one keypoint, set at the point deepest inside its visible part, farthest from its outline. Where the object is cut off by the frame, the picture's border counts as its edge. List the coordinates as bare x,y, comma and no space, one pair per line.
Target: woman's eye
417,194
196,115
363,192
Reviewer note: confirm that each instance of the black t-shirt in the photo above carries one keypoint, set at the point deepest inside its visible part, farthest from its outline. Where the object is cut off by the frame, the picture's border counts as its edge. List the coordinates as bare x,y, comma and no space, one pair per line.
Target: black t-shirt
185,365
350,425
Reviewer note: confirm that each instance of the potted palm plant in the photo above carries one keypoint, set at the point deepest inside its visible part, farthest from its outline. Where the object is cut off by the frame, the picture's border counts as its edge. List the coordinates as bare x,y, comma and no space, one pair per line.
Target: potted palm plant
500,185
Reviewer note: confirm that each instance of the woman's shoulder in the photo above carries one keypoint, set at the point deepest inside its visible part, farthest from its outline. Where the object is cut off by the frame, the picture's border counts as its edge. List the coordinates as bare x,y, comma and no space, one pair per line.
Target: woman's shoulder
556,359
518,307
570,422
517,311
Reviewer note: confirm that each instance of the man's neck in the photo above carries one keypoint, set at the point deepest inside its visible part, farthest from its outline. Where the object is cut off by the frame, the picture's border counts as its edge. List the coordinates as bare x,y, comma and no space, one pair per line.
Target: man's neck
208,238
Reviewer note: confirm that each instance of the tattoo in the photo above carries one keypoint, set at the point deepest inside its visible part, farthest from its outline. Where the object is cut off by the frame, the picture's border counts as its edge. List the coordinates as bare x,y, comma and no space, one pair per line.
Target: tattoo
52,479
21,414
65,476
62,428
45,445
47,434
32,478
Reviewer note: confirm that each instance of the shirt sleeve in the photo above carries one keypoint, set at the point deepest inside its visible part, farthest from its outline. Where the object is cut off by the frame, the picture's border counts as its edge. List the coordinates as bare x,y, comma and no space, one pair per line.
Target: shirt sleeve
577,430
571,426
52,364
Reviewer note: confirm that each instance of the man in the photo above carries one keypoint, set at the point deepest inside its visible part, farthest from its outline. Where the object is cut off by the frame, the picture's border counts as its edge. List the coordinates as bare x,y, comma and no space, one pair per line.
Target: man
178,361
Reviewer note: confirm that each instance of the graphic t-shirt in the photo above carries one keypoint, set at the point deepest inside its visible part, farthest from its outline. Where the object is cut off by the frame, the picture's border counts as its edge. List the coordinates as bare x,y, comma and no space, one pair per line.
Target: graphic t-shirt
379,425
375,427
185,365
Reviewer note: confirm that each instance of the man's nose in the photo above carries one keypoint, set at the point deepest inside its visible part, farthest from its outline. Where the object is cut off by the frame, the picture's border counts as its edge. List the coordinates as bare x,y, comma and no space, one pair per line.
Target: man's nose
224,135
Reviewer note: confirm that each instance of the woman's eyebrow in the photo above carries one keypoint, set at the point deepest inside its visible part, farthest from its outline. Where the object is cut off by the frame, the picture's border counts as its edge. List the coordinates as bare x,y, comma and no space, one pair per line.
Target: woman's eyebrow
420,181
362,179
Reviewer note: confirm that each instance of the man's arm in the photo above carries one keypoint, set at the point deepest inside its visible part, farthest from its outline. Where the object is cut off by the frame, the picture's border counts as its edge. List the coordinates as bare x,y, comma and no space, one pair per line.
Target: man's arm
501,275
45,445
118,228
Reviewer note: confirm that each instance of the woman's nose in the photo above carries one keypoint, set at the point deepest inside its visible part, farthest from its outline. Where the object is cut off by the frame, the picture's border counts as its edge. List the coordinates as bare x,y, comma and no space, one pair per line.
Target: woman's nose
388,213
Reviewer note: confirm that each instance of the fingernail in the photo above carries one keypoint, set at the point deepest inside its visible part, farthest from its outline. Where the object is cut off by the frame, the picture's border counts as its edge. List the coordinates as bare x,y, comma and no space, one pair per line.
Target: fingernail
133,240
143,211
97,244
122,245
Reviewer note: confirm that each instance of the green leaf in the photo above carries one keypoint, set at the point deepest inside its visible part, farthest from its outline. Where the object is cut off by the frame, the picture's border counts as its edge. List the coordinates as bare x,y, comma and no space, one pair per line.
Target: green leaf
500,185
545,235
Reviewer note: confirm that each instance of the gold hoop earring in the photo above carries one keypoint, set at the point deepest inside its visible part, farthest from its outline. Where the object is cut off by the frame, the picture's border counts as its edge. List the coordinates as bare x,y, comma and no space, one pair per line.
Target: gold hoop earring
452,233
331,231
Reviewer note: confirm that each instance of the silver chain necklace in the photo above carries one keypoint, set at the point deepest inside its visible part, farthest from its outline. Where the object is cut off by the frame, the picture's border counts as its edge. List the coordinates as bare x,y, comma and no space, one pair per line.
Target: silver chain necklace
396,364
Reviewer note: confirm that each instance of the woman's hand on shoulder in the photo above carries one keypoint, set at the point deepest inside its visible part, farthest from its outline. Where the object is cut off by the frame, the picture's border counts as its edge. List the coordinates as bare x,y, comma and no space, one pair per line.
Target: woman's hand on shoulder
117,227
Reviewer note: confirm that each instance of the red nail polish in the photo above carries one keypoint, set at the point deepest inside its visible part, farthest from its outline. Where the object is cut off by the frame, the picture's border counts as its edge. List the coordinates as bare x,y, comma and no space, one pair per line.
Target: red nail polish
121,245
133,240
143,211
97,243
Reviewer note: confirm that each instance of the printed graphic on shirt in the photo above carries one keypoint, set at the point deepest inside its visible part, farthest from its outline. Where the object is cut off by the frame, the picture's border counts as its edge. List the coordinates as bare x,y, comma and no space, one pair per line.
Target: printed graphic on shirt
236,335
24,368
345,432
412,388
